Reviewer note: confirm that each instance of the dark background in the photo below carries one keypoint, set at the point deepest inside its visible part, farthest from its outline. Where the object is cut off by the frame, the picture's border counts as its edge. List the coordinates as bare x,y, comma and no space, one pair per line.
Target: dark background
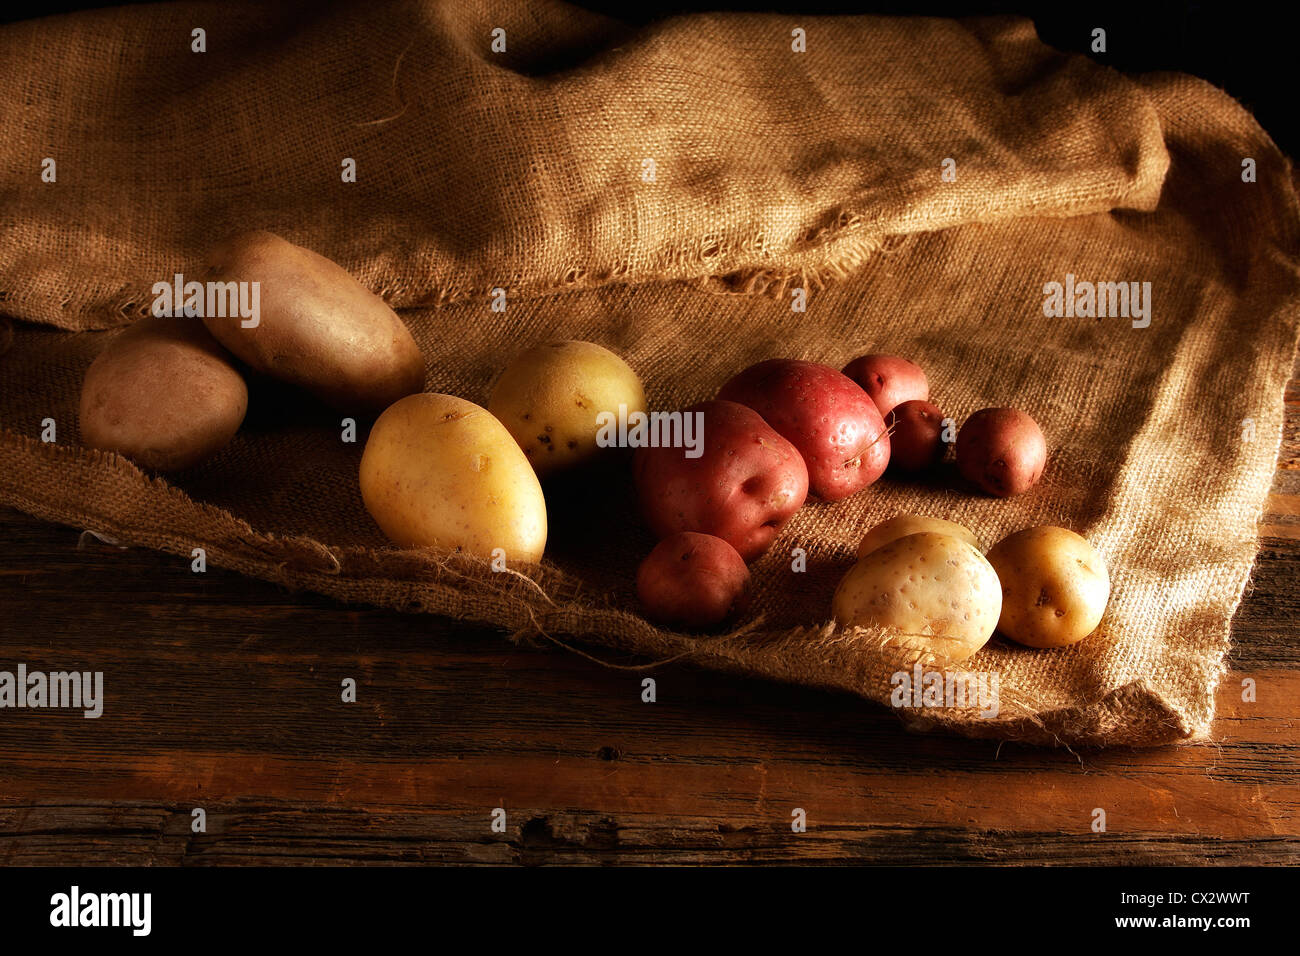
1244,48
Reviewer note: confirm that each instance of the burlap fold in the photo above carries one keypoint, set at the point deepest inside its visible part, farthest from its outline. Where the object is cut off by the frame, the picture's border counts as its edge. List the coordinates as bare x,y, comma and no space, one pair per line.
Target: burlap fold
772,170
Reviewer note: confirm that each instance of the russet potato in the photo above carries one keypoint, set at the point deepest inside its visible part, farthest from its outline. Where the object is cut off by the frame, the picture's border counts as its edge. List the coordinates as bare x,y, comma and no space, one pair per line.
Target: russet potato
318,328
164,394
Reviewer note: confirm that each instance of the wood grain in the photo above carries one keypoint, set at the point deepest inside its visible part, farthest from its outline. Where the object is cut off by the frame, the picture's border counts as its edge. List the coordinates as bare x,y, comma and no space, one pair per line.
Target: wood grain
224,694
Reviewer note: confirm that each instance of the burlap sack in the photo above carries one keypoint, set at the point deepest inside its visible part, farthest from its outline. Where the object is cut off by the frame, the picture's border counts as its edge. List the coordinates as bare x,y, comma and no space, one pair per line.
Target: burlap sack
773,170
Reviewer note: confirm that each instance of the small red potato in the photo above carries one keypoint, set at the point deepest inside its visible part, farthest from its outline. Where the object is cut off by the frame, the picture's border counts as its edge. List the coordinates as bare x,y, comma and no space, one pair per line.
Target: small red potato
693,581
915,436
1002,451
890,380
743,487
834,424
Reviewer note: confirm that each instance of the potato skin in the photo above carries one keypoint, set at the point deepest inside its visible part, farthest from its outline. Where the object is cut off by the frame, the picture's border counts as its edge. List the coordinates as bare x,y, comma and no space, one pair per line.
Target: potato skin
938,590
900,526
1054,586
825,415
442,472
319,328
890,380
164,394
550,396
694,581
743,488
915,436
1001,450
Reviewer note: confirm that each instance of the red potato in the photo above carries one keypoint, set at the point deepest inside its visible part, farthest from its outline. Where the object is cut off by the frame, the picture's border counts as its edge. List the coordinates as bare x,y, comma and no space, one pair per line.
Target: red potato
915,436
743,488
1002,451
825,415
890,380
694,581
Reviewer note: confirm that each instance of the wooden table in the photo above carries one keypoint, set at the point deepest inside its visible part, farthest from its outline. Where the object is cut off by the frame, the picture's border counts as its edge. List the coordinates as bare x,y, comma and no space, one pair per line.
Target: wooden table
224,694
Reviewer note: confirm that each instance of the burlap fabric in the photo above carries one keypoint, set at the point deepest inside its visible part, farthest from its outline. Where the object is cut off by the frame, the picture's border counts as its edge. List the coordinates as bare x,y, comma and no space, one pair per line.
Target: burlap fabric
773,170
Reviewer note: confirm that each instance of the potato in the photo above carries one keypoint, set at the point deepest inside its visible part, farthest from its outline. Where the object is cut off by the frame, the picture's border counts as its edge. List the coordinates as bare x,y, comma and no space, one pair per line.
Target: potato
317,327
550,396
890,380
938,590
1054,586
743,488
900,526
915,435
1002,451
164,394
694,581
442,472
825,415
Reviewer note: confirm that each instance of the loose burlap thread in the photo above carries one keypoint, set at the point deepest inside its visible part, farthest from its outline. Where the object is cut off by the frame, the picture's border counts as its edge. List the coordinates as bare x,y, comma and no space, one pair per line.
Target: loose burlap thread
771,171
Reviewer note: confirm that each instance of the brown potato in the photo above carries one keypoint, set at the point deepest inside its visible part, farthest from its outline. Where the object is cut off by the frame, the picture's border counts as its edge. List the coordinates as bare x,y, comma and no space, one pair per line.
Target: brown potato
890,380
317,327
1002,450
691,580
916,435
1054,586
164,394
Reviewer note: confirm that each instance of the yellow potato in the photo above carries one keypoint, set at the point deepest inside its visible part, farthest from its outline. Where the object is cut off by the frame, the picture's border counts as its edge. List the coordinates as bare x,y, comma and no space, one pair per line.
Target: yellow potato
938,590
317,327
1054,586
550,396
900,526
164,394
439,471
